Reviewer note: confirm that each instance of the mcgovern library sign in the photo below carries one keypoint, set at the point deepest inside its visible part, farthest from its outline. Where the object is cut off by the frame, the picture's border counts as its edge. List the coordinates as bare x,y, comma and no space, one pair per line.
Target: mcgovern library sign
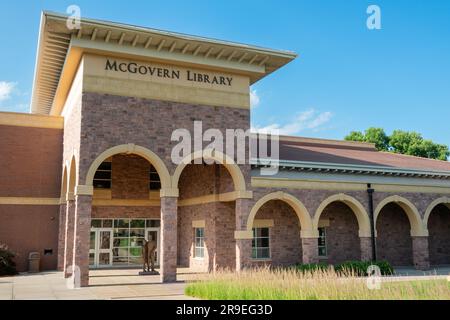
167,73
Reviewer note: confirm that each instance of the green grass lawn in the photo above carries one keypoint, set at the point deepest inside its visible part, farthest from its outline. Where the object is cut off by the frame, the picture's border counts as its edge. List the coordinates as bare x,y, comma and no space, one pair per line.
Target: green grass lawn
288,285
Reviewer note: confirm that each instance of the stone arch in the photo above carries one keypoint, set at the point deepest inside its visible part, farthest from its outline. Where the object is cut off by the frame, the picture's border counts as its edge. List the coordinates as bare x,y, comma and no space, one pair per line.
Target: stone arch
64,183
72,178
223,159
358,209
417,226
137,150
434,204
307,230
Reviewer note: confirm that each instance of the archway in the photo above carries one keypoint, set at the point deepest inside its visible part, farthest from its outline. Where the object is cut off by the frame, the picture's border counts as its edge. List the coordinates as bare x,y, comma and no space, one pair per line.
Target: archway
72,182
437,221
397,220
145,153
278,222
223,159
341,221
64,184
299,208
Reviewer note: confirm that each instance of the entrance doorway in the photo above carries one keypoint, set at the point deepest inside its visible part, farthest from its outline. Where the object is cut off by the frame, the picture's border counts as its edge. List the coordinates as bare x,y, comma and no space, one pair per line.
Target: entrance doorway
100,251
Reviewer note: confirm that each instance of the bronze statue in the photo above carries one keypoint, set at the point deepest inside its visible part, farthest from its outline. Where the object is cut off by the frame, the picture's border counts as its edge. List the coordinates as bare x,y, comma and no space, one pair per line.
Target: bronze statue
148,253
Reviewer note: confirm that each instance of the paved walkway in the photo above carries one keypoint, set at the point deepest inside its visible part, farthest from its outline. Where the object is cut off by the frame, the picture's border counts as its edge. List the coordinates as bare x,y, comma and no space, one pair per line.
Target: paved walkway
104,285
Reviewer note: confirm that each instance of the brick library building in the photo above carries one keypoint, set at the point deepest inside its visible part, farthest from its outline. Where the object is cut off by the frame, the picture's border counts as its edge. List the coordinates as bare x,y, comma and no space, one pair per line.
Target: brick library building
88,175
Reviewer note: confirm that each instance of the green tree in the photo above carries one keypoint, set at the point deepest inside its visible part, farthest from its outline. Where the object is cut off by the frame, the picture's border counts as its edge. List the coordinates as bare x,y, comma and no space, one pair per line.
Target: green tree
403,142
355,136
377,136
372,135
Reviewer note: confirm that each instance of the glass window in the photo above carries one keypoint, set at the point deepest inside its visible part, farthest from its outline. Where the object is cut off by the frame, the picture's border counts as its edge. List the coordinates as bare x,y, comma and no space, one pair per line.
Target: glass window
137,224
199,242
153,223
322,242
125,223
261,243
96,223
155,181
103,176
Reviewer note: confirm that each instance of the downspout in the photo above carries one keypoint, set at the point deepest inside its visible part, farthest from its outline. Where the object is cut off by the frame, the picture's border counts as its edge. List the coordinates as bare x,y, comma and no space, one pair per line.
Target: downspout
370,192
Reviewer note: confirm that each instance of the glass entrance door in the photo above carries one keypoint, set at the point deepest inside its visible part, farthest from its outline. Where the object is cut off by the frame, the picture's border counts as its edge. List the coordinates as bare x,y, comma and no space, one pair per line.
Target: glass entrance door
152,234
100,251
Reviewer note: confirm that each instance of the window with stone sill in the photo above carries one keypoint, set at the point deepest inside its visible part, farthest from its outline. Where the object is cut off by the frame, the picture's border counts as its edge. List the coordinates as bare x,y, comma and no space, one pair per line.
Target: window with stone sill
261,244
322,242
199,243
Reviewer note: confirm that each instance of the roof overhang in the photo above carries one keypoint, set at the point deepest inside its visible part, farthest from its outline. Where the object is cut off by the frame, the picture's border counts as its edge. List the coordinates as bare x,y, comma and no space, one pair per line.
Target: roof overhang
349,169
60,50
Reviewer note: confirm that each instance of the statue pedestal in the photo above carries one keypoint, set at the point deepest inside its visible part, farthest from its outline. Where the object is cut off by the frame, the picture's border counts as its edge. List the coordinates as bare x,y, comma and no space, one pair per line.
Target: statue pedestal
149,273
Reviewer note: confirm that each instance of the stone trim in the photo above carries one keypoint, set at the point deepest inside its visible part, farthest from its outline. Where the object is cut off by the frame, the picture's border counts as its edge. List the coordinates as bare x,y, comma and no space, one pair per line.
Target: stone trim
131,148
417,226
299,208
263,223
357,208
28,201
198,224
226,161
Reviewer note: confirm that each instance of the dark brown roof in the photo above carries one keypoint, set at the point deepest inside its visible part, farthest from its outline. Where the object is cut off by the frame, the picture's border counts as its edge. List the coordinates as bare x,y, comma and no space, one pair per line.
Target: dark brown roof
352,153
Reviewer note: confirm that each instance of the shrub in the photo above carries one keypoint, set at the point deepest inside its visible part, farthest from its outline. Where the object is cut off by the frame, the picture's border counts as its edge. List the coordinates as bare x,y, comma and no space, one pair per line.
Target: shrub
7,264
355,268
312,267
359,268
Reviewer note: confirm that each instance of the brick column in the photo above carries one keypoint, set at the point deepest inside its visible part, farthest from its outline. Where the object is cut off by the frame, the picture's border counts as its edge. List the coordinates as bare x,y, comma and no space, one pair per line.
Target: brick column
169,217
68,245
421,255
310,249
243,243
62,236
366,248
81,239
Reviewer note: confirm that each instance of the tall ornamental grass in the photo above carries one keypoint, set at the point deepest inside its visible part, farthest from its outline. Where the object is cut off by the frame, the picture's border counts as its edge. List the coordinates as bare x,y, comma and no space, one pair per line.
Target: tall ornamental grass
285,284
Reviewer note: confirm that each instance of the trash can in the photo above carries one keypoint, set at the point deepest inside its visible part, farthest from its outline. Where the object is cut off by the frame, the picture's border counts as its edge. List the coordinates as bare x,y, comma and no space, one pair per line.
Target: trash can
34,259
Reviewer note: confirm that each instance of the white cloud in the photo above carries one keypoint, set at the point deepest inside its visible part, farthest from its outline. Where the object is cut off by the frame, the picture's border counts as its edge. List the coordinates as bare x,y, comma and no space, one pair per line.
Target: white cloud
306,120
254,99
5,89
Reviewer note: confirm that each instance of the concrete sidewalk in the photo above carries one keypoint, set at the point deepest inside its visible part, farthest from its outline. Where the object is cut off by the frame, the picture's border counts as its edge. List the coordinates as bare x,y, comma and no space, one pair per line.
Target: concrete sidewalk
105,285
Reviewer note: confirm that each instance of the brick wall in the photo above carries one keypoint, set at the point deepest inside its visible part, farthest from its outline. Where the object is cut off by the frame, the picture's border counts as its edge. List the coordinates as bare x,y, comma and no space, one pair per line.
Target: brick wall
130,177
117,212
108,121
342,236
285,242
30,166
28,229
394,242
439,239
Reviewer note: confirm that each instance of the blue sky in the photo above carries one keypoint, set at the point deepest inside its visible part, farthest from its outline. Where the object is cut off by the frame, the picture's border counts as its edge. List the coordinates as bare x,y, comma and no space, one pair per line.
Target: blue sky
346,78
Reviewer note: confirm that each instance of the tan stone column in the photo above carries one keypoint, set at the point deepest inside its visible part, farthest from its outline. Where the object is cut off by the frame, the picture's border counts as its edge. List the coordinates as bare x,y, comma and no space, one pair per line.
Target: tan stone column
310,250
421,254
366,248
242,235
62,235
81,239
169,218
69,229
